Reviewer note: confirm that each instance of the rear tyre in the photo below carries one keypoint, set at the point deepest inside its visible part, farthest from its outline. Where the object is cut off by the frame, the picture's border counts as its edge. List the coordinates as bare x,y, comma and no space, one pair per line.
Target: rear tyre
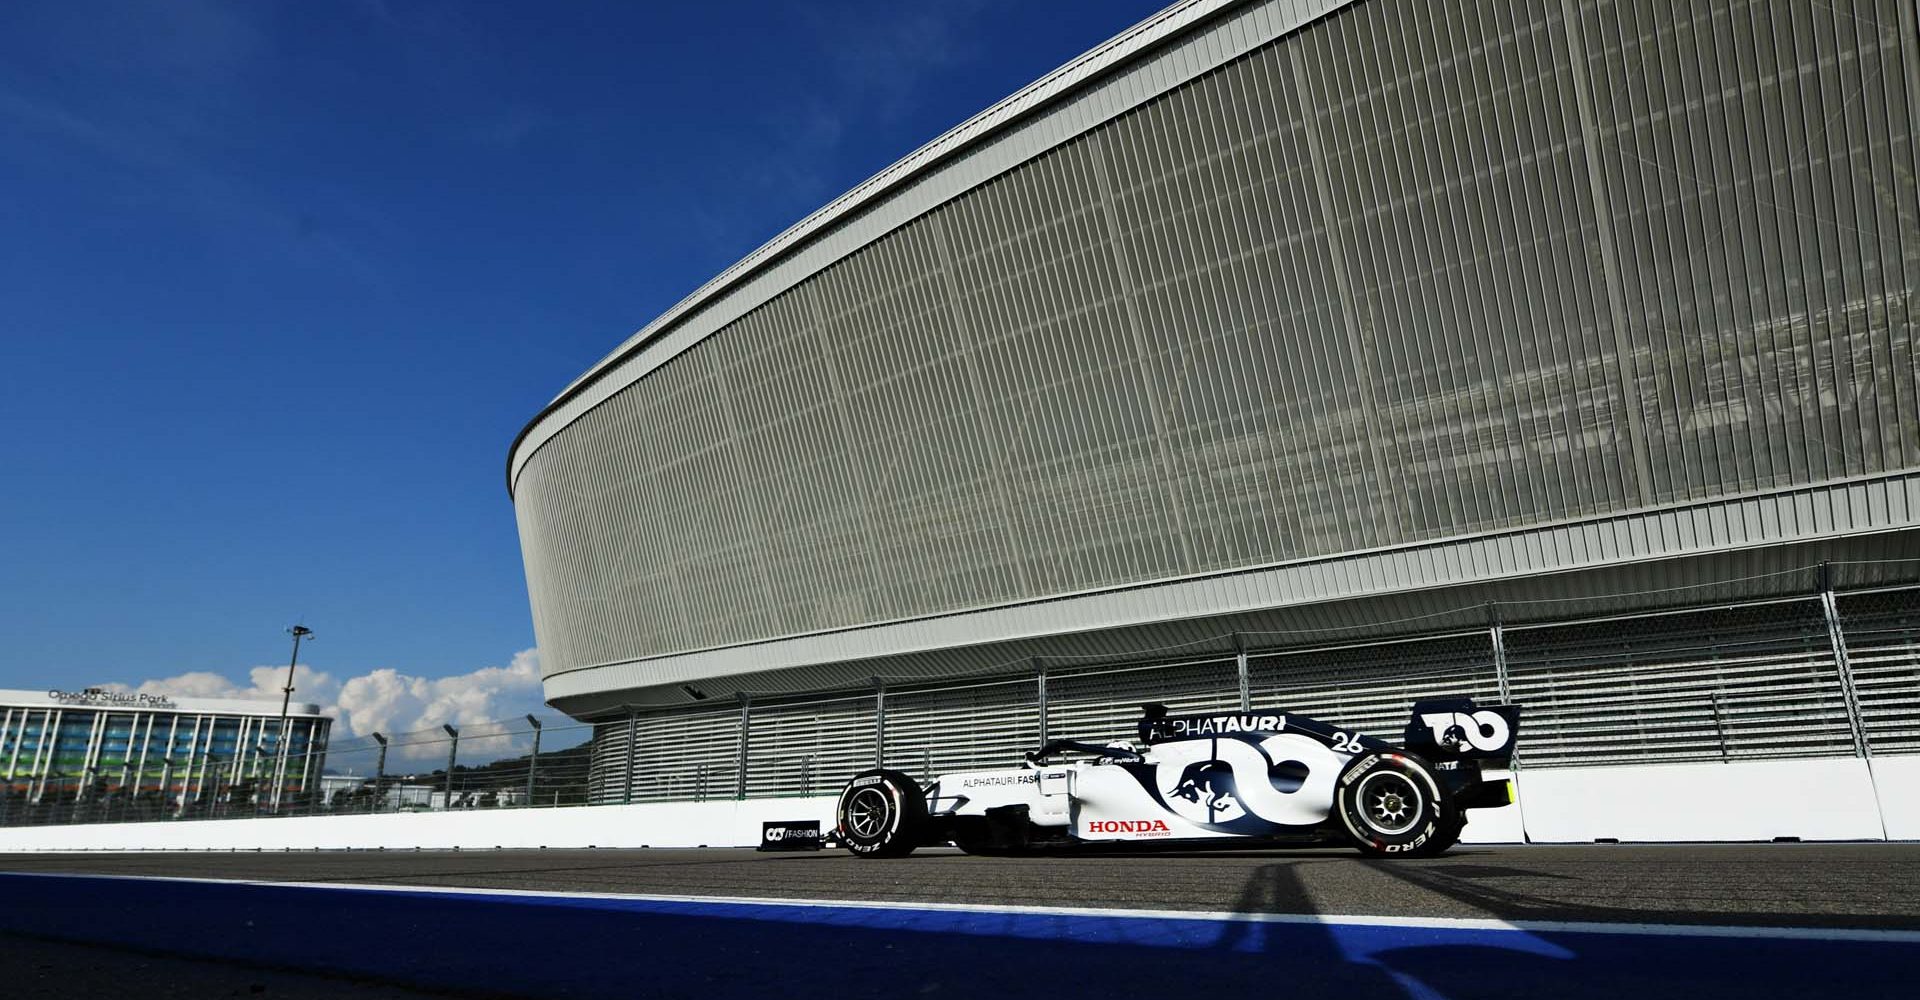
1392,806
881,814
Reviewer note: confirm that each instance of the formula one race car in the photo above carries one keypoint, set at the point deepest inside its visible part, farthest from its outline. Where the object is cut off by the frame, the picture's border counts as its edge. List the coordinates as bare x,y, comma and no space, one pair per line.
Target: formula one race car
1258,778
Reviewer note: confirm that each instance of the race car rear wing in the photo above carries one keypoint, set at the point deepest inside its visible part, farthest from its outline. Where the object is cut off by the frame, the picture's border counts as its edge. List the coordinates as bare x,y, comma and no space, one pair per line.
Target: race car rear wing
1457,729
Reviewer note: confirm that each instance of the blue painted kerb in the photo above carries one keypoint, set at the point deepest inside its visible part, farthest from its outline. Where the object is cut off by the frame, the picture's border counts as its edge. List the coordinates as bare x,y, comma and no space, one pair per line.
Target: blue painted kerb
566,946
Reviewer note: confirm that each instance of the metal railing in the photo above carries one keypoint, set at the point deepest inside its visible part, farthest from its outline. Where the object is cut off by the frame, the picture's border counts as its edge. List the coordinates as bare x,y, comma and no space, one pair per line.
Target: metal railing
1811,672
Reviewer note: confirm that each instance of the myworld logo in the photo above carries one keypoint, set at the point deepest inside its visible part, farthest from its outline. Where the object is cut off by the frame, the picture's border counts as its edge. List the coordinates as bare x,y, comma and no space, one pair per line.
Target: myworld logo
118,699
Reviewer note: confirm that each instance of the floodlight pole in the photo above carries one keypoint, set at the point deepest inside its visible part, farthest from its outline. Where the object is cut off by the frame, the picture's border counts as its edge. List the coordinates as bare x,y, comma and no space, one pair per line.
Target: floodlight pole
452,752
298,632
379,772
533,759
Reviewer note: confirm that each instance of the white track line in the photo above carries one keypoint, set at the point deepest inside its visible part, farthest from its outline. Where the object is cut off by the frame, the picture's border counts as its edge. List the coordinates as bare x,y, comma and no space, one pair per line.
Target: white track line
1346,920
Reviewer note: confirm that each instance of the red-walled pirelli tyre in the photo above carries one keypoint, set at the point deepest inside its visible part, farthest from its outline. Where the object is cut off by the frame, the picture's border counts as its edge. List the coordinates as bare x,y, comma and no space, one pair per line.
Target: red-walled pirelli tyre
1392,806
881,814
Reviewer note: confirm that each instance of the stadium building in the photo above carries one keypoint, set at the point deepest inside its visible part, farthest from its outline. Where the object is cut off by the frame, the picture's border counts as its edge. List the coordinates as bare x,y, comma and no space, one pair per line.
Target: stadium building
121,754
1307,354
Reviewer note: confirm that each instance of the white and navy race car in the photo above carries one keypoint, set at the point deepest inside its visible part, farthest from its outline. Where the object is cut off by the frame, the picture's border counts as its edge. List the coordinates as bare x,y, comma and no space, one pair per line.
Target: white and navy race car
1263,778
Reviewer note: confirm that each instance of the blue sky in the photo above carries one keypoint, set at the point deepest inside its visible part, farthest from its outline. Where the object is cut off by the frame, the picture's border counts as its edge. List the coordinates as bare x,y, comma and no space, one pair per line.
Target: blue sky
279,282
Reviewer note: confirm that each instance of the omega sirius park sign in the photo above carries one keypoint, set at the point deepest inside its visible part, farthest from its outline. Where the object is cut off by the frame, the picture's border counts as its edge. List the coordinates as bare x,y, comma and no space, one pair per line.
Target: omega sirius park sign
116,699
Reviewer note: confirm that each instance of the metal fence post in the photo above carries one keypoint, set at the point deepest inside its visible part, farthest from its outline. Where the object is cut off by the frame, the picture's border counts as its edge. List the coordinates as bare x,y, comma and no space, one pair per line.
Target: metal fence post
879,722
740,757
1240,668
1719,723
1040,694
633,740
1497,635
1830,607
533,759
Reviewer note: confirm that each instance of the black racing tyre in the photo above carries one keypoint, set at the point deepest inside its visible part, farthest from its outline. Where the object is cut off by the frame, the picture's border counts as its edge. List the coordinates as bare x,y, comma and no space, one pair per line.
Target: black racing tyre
881,814
1392,805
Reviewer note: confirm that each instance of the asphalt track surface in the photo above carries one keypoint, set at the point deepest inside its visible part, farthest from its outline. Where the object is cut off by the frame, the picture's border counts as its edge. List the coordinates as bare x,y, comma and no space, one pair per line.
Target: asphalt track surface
1757,885
1574,923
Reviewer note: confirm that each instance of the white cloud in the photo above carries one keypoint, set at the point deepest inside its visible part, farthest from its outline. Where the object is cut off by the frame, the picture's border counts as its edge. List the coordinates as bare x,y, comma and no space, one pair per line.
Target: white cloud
263,684
389,701
394,704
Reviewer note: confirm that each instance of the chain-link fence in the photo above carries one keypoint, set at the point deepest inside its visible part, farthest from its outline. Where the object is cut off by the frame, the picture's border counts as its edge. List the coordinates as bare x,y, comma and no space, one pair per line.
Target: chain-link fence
523,763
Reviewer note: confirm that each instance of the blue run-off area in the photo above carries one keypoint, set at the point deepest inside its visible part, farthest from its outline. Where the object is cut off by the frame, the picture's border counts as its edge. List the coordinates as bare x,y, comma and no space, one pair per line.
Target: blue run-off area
558,945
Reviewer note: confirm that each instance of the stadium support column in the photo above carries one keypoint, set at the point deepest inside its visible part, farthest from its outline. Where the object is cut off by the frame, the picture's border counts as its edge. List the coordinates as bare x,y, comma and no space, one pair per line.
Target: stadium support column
1240,669
879,722
740,754
1842,665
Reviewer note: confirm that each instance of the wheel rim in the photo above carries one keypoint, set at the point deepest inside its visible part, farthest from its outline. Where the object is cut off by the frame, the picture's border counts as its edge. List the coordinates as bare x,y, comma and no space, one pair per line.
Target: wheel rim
1390,804
868,813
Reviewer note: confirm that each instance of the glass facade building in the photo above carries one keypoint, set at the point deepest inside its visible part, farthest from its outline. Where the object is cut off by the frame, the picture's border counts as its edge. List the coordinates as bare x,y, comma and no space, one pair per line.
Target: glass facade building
1270,327
156,754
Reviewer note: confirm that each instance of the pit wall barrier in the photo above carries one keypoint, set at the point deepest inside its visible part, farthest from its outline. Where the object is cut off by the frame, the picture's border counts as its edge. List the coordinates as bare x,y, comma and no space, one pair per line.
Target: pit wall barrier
1829,799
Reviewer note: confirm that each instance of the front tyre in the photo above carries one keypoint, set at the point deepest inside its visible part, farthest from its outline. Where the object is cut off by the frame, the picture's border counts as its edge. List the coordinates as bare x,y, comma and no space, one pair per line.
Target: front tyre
1392,806
881,814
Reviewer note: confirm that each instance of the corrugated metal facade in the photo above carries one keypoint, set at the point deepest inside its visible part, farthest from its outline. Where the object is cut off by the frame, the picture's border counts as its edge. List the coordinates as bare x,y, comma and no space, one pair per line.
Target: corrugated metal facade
1412,272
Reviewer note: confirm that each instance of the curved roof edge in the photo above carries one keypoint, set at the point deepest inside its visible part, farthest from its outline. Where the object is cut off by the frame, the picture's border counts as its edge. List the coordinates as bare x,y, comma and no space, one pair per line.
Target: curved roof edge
1166,25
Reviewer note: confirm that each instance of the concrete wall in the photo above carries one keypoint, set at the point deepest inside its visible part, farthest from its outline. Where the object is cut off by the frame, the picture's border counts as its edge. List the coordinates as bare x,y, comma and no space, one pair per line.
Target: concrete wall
1835,799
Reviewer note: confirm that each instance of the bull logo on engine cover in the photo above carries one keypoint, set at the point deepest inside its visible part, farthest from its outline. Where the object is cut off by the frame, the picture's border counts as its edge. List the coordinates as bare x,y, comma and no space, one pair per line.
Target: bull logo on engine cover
1211,781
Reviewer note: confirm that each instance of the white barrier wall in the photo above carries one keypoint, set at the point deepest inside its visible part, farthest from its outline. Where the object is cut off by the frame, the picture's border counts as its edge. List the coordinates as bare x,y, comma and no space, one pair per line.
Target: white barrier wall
1839,799
1751,800
1897,781
678,824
